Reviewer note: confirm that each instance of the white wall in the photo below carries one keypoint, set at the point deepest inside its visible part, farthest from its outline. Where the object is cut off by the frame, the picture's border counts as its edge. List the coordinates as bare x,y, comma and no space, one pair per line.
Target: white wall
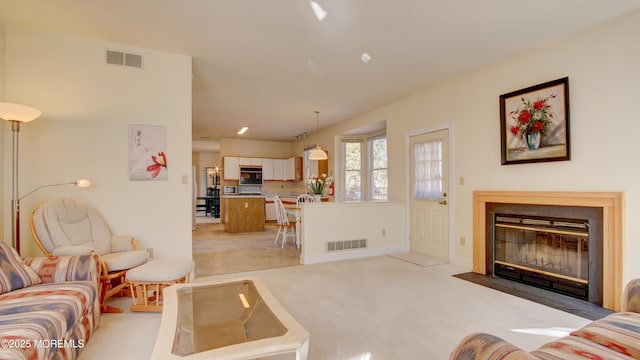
87,106
604,85
255,148
381,223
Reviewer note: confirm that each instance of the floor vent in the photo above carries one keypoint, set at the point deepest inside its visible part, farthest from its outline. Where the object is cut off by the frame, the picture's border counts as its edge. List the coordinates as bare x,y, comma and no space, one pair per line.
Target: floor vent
346,245
125,59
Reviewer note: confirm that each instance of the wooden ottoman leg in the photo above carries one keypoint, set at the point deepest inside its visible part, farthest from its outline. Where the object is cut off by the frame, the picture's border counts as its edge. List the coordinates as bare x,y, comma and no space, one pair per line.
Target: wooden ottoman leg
149,280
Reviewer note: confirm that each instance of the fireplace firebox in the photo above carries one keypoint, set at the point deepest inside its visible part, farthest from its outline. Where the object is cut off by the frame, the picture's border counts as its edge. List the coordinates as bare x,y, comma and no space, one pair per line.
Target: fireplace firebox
557,248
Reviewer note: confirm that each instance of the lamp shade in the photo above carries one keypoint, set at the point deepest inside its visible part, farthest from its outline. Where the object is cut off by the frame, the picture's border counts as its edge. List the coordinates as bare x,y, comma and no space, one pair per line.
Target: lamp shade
317,154
16,112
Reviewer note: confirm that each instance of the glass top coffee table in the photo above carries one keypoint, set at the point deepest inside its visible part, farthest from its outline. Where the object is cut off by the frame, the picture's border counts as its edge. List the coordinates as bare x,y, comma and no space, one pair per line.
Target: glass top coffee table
227,319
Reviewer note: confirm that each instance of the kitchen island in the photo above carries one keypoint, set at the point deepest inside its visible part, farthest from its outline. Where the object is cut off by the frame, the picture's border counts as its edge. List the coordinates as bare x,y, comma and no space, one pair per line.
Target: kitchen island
243,213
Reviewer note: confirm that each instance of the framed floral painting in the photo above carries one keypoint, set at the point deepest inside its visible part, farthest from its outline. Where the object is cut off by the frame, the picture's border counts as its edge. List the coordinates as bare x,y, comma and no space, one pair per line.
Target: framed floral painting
534,123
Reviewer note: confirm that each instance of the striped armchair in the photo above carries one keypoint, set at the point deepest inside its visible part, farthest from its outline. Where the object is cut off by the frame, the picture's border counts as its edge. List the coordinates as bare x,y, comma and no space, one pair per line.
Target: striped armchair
616,336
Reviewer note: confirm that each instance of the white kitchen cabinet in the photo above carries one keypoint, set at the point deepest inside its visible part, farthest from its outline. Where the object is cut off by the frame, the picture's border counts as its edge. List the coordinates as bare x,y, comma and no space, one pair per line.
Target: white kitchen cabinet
272,169
278,169
267,169
255,161
293,169
231,168
289,169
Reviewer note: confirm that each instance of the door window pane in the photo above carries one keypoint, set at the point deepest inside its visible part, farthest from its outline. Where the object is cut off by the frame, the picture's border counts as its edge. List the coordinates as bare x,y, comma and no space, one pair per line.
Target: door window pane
428,170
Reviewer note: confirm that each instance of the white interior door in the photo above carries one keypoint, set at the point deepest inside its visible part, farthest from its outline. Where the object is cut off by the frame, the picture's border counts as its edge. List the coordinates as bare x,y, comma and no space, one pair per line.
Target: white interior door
429,206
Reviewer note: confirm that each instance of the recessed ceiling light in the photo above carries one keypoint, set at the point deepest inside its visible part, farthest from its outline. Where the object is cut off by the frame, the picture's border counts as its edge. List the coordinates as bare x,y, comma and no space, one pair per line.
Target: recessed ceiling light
318,10
243,130
365,57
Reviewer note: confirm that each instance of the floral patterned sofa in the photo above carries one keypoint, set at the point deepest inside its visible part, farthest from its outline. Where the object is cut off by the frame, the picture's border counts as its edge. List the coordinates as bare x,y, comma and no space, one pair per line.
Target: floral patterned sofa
49,306
616,336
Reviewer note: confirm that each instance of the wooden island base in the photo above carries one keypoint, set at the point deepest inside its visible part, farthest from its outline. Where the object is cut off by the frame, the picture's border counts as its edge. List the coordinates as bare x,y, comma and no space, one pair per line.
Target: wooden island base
243,213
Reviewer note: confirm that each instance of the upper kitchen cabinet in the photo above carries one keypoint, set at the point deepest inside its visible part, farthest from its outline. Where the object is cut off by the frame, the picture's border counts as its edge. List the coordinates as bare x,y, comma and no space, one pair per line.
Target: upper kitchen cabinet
255,161
272,169
293,169
231,168
278,169
267,169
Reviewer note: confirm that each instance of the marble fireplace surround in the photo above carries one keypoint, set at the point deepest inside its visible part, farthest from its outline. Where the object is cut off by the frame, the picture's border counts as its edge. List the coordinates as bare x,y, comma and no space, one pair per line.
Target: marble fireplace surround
612,227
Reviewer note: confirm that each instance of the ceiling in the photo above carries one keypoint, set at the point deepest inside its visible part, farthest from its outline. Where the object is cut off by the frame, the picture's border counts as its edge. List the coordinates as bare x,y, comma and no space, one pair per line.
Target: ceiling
269,64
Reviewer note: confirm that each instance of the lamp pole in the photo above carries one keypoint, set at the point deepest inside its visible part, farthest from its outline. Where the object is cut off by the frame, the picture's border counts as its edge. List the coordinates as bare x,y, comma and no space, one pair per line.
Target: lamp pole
15,202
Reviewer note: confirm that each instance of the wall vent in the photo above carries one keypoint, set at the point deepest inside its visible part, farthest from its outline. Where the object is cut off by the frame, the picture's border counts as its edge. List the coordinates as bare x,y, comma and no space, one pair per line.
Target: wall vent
346,245
122,58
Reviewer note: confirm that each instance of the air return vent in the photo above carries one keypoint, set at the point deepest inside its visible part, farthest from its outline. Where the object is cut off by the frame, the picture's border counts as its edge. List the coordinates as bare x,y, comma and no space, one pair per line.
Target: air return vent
122,58
346,245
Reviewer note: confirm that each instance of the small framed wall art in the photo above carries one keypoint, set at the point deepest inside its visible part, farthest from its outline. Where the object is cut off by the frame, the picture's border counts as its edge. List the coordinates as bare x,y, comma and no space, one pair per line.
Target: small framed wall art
147,152
534,123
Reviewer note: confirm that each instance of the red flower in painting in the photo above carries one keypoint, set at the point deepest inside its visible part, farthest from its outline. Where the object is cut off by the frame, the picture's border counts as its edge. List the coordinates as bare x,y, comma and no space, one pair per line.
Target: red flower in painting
524,117
539,104
515,130
159,162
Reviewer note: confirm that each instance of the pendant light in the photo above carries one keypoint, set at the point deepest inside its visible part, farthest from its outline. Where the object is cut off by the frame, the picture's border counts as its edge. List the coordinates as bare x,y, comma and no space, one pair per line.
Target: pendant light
317,153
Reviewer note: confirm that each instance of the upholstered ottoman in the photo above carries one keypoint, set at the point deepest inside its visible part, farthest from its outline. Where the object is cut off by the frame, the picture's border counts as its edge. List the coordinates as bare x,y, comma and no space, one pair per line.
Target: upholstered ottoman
148,280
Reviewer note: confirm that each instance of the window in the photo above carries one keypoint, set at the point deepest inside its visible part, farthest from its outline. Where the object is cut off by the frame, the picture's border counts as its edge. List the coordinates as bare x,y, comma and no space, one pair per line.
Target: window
352,160
364,165
428,170
378,168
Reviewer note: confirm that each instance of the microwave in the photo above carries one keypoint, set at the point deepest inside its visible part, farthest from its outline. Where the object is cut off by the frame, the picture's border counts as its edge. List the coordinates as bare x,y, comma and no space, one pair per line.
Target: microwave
250,175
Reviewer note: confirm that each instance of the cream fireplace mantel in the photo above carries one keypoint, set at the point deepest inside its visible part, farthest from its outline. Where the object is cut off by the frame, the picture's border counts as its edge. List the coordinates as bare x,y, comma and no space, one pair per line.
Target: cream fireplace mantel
612,238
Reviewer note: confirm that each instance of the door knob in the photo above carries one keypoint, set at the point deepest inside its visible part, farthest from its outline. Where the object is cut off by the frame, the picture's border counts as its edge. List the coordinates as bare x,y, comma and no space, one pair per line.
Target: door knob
443,202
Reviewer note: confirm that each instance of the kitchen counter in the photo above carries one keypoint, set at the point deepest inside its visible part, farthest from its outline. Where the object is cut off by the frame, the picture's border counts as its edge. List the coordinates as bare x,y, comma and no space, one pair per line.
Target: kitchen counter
244,196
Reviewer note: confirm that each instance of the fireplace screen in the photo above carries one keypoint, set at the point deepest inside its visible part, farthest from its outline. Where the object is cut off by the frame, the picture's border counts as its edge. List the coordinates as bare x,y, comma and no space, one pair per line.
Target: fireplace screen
547,252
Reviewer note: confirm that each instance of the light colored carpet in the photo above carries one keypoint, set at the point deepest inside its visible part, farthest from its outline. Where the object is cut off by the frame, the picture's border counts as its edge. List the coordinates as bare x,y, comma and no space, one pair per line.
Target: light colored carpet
419,259
373,308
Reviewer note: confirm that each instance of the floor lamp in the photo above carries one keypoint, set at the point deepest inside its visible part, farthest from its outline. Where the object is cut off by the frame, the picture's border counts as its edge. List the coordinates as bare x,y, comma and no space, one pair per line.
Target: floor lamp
16,114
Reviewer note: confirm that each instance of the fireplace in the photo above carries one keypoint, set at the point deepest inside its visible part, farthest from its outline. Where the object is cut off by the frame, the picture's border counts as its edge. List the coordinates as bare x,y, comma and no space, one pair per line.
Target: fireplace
605,234
557,248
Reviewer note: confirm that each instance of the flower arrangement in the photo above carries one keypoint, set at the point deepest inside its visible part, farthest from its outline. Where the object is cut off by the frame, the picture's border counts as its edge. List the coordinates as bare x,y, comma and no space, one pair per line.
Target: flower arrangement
317,184
532,117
